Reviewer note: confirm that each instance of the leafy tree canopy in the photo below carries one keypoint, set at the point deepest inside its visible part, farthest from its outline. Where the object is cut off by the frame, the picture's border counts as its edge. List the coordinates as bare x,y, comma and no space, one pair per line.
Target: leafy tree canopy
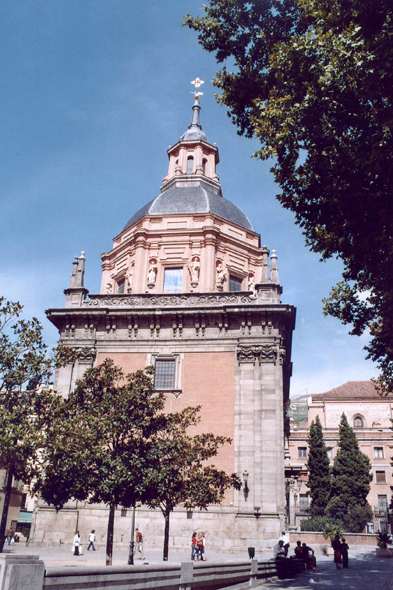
313,81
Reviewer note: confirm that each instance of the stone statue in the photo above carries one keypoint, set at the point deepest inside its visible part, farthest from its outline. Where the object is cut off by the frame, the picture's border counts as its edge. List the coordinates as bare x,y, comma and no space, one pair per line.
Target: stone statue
129,277
220,275
251,285
109,288
152,273
195,269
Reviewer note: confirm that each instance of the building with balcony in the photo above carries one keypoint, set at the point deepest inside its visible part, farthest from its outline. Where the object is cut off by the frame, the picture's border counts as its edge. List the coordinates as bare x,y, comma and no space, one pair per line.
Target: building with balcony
370,415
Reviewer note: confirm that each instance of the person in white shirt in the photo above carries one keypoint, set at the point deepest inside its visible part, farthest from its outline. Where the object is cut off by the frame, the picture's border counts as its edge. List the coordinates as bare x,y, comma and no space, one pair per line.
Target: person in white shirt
76,543
279,551
92,539
285,537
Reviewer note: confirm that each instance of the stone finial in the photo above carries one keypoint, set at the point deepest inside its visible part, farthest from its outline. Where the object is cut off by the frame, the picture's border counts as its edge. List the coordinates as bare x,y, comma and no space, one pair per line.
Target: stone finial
81,270
274,268
73,279
265,265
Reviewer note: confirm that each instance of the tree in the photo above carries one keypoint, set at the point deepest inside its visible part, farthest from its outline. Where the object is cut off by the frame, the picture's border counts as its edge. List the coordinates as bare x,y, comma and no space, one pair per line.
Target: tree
99,442
318,469
350,482
24,405
312,81
180,475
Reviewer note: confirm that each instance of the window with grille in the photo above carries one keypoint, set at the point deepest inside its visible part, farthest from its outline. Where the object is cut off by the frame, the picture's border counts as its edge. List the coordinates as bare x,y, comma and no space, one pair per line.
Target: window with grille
302,452
173,280
304,502
380,476
330,452
378,452
164,377
235,284
382,502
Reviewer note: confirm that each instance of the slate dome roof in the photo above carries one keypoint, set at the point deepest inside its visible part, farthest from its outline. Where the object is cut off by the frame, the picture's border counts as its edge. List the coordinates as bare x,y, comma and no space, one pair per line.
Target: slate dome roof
195,199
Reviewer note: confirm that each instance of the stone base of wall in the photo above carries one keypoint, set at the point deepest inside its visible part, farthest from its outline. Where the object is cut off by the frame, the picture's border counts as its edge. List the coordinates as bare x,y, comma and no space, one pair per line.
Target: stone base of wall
225,529
315,539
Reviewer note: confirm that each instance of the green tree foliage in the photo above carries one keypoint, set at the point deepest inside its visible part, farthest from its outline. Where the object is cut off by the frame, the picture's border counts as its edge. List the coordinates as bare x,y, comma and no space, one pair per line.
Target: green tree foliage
110,441
181,475
99,442
350,482
313,81
318,469
24,405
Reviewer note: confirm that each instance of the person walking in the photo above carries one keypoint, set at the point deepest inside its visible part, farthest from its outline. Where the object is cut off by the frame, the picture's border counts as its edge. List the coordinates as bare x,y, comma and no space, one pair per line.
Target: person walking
336,544
9,536
139,543
76,543
344,553
92,538
194,547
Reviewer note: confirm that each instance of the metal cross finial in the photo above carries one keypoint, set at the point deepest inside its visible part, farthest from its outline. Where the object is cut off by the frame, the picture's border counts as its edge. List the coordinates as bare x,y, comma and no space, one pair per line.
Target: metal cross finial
197,83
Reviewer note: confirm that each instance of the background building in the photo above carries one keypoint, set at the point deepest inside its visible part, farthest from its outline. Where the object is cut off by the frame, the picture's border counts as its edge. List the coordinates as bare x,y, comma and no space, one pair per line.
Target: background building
188,288
370,415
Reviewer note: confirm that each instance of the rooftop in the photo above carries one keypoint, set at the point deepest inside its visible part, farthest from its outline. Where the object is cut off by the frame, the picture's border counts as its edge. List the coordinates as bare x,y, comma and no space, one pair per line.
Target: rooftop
350,390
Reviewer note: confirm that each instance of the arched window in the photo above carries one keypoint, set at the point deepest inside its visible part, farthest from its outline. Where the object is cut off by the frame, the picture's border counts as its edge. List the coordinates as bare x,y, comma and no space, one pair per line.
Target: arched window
358,422
190,165
204,164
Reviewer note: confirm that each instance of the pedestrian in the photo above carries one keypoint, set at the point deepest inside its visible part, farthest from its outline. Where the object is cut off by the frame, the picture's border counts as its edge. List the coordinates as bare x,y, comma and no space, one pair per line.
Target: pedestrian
92,538
279,551
285,537
336,544
201,546
139,543
309,560
9,536
344,552
76,544
194,547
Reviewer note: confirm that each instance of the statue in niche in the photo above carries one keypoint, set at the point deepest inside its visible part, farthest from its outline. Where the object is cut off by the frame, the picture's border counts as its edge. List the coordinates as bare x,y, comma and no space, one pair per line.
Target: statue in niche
195,269
220,275
152,272
251,285
129,278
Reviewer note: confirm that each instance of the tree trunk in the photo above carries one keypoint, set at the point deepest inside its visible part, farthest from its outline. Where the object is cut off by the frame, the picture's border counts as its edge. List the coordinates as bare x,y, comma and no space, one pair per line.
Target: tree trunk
109,536
166,535
6,503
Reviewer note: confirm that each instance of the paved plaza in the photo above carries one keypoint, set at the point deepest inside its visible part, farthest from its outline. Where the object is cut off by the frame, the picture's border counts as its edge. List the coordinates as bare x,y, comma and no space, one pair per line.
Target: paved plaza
366,571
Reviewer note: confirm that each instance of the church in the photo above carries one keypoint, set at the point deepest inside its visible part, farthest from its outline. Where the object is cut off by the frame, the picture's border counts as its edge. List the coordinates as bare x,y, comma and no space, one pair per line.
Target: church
188,288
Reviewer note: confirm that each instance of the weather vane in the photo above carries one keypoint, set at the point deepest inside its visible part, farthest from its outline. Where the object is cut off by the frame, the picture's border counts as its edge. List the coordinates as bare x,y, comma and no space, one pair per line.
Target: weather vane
197,83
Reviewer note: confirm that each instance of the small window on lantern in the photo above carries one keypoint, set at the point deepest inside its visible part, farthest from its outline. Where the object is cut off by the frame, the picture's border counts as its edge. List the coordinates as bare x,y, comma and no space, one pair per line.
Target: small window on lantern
190,165
204,164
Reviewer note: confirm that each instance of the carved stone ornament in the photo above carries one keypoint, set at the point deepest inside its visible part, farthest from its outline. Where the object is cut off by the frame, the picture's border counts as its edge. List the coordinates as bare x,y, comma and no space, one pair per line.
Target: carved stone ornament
87,354
249,354
190,300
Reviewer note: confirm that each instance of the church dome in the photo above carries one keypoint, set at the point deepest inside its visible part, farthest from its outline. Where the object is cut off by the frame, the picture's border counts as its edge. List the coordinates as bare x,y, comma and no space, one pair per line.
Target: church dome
192,199
192,184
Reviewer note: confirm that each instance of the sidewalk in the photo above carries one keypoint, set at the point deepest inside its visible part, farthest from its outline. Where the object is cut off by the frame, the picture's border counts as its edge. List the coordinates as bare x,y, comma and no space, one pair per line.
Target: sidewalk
366,572
365,569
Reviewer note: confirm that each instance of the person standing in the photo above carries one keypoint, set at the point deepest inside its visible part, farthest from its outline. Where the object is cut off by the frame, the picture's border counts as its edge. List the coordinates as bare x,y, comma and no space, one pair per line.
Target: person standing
139,543
76,544
285,537
336,544
344,552
194,547
92,538
201,546
9,536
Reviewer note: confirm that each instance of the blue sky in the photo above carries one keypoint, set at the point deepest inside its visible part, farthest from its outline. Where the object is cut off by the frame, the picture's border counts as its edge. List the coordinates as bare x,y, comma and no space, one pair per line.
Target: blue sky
93,93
